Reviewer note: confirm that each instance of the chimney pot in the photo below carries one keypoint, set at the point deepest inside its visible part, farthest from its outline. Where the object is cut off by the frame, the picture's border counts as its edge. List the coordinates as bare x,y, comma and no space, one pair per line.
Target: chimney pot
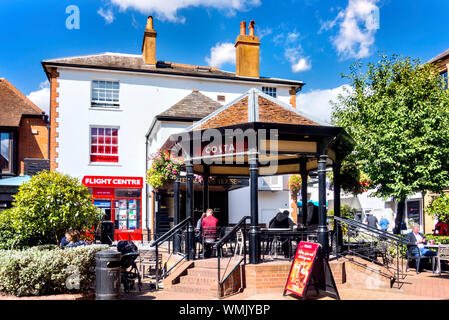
251,28
243,28
149,43
150,23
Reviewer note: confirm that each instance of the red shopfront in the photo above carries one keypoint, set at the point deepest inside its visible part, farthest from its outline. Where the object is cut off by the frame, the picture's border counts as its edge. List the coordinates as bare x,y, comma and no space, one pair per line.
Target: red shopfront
120,199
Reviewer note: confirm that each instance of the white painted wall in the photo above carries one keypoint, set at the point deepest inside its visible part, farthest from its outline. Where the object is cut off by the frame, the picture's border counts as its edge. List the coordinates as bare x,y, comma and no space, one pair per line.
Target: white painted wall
142,97
270,202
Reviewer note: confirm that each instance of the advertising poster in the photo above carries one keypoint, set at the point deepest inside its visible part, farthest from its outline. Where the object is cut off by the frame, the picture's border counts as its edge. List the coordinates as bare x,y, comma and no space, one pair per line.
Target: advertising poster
123,214
301,268
122,204
132,214
122,225
132,204
132,224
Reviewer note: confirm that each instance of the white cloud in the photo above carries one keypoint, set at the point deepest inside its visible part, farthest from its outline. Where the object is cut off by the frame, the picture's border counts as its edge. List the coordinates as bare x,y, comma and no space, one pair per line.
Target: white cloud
297,61
358,24
303,64
41,97
168,9
316,102
108,15
221,54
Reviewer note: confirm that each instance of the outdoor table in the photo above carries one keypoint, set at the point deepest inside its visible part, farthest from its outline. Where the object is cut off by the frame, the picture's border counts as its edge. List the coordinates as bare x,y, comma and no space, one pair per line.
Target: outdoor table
434,246
278,233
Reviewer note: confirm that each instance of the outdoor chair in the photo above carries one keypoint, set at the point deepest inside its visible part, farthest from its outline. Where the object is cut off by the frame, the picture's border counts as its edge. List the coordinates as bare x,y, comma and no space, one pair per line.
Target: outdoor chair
413,253
209,237
148,262
443,255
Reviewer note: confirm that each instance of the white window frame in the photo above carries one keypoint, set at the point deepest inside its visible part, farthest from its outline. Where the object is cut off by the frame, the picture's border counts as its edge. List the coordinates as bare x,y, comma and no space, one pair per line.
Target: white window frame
270,91
105,105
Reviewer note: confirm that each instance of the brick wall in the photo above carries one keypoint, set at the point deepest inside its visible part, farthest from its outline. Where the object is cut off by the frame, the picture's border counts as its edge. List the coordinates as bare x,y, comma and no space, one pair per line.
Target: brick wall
53,118
33,140
266,277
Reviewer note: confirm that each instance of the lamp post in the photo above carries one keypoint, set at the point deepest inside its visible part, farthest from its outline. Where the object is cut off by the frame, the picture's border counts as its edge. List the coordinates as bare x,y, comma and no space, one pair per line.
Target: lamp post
254,232
323,232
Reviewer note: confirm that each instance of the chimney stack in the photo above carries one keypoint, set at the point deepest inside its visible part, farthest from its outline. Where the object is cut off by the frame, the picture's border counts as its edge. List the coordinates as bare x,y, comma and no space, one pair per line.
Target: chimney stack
247,52
149,43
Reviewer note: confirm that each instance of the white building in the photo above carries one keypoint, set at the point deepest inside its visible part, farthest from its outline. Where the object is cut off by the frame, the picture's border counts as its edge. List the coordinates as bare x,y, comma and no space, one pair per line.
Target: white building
105,106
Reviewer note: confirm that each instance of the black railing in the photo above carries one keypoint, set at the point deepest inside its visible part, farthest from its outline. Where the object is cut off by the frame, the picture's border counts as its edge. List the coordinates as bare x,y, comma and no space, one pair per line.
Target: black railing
370,244
175,240
235,239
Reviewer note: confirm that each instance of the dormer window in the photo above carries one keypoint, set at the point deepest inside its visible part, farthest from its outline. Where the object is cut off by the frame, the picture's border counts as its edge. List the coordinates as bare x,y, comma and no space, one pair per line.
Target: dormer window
105,94
270,91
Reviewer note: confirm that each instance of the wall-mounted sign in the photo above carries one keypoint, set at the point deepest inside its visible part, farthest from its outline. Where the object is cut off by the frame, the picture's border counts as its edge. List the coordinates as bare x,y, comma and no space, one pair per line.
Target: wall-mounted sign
208,150
222,181
113,182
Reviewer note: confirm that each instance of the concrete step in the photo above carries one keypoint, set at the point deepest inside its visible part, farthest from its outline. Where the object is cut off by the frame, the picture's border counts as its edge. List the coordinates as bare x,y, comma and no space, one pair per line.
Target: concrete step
200,289
203,272
197,280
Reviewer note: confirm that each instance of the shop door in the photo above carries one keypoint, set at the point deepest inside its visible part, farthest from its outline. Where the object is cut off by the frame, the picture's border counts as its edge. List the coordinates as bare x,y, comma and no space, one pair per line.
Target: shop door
414,212
105,206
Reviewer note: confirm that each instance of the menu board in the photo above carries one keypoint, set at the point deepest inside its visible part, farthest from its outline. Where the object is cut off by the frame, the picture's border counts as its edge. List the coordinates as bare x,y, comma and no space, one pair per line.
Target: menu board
301,268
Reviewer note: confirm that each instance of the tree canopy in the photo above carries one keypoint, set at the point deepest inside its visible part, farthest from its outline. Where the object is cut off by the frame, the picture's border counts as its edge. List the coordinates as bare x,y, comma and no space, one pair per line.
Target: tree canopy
397,112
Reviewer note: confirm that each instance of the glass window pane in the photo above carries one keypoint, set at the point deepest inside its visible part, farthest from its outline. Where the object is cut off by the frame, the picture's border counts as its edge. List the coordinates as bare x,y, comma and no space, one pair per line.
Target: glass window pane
101,131
94,131
108,131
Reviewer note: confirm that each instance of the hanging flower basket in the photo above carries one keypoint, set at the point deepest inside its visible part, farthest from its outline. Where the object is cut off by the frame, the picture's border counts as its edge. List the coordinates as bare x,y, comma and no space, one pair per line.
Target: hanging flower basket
294,183
163,169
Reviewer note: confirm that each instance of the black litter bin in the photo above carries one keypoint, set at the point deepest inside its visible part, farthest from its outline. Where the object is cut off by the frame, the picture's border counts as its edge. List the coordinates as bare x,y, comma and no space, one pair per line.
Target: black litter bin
107,275
107,232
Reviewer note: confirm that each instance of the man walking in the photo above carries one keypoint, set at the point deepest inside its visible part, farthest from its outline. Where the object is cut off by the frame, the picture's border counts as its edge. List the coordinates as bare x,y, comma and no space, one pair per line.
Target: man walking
384,224
371,221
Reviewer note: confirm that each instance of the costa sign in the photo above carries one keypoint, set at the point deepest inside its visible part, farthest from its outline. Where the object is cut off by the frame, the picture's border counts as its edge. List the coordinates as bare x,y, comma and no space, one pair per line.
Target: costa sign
113,182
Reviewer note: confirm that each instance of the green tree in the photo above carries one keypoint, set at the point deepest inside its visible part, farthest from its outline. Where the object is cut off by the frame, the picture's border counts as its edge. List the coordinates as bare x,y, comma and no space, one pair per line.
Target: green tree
439,208
45,207
397,112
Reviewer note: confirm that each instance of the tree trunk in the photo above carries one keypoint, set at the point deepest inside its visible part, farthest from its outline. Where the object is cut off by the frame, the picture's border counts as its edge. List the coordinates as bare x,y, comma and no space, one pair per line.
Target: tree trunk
399,217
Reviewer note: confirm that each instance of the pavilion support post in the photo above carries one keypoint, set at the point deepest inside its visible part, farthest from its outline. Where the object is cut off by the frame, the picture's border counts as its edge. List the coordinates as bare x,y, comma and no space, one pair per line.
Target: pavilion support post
254,232
189,211
337,206
176,240
206,188
304,175
323,232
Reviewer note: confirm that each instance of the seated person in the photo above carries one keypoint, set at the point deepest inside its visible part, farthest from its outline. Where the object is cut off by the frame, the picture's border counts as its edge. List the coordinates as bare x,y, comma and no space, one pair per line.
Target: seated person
281,220
416,242
73,239
207,225
312,215
198,227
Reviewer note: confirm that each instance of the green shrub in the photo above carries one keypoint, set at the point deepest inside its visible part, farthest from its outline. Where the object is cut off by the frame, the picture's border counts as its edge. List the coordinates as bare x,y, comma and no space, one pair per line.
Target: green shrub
44,208
437,239
47,270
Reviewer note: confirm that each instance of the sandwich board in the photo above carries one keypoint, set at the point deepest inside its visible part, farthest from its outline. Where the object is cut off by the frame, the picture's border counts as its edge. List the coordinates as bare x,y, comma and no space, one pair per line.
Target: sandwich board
309,267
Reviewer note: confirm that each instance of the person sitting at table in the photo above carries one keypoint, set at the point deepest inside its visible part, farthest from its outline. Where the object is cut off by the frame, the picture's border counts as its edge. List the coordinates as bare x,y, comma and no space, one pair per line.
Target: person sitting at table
198,227
209,230
312,215
416,242
281,220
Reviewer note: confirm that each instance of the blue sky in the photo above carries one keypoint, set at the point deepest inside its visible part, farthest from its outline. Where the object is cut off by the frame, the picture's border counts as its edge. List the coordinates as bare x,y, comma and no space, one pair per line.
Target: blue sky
309,40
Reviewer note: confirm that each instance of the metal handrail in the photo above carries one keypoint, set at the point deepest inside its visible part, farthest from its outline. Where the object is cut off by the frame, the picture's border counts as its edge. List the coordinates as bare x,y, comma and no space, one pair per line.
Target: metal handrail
161,240
218,249
169,233
384,234
381,235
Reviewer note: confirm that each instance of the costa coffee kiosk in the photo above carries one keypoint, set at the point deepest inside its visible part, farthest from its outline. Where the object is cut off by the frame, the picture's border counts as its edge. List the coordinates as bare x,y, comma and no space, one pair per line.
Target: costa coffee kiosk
120,199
